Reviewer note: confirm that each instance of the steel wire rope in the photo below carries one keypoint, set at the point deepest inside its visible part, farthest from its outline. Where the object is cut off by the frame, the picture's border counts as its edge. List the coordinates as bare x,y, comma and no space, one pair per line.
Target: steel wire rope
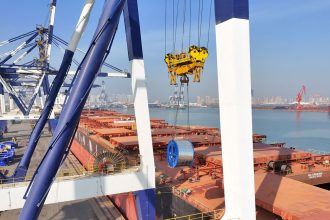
56,43
201,23
173,45
199,6
11,40
83,52
176,24
177,111
208,31
165,21
183,24
189,22
188,109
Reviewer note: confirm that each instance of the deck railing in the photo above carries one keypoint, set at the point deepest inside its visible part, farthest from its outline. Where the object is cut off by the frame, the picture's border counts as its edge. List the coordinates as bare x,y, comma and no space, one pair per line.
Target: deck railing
214,214
70,173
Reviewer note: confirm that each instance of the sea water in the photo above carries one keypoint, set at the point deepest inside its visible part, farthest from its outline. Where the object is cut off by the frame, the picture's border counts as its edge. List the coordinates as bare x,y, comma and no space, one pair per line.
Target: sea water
302,130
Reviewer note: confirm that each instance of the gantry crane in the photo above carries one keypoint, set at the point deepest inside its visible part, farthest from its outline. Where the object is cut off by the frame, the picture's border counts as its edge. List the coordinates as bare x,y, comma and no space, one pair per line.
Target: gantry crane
232,30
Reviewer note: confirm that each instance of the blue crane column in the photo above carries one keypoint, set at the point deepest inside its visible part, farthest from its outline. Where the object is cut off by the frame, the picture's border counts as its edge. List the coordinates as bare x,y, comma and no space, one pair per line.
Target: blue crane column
3,123
55,88
2,99
145,199
59,146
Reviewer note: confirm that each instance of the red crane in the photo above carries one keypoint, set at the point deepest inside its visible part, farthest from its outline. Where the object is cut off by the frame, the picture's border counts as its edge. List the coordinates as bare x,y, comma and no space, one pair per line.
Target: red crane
299,97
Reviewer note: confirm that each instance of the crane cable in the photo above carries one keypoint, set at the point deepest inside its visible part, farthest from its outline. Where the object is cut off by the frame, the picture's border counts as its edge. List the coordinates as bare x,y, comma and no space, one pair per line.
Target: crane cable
175,11
209,28
198,22
177,111
176,23
165,16
188,109
189,22
183,24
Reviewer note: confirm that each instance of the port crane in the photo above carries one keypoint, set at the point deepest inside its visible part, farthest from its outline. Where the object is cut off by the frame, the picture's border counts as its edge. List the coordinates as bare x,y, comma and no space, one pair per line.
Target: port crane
233,59
299,97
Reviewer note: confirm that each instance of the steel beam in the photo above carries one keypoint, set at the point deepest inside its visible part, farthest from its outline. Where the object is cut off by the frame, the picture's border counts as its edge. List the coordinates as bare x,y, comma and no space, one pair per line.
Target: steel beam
17,38
2,100
20,47
69,118
56,85
145,198
234,83
80,187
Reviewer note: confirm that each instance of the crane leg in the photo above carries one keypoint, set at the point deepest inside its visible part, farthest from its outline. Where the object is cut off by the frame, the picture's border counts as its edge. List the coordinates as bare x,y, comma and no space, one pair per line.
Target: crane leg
145,199
234,83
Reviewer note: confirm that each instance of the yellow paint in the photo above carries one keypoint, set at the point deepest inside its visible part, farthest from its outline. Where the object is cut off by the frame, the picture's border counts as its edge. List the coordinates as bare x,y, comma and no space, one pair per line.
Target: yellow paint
191,63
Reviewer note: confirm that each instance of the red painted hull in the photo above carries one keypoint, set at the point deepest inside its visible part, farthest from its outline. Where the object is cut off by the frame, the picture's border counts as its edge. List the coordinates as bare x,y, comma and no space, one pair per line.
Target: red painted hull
126,204
85,158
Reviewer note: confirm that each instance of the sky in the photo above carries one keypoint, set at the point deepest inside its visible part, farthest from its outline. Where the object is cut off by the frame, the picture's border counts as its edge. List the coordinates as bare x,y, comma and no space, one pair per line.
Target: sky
290,43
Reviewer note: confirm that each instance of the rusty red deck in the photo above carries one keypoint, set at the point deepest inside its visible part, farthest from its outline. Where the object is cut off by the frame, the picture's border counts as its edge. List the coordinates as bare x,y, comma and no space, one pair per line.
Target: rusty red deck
285,196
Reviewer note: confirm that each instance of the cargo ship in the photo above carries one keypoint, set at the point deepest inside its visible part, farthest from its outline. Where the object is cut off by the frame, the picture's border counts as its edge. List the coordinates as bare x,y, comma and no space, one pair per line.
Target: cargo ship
106,141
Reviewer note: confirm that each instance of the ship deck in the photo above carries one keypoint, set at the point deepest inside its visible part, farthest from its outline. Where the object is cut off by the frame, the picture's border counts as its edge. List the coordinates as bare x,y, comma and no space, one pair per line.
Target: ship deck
278,195
207,190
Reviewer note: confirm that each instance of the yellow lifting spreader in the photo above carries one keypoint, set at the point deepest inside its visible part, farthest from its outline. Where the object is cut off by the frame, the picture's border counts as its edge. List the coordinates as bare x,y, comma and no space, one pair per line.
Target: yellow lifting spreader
183,64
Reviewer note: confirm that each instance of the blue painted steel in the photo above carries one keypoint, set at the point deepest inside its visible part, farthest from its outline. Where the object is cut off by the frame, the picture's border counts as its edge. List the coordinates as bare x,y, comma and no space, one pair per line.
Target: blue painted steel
132,27
54,2
56,38
145,198
28,64
49,103
50,35
26,42
53,124
9,76
18,83
10,143
20,104
68,85
172,154
21,36
3,127
31,102
69,118
7,70
45,85
29,50
145,203
7,152
227,9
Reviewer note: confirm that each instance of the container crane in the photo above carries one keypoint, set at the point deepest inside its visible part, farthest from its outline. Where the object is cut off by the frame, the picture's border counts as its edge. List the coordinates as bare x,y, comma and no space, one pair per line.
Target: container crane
299,97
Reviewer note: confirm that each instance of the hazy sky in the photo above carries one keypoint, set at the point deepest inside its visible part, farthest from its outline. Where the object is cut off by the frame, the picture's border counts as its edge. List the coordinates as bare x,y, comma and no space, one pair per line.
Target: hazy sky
290,43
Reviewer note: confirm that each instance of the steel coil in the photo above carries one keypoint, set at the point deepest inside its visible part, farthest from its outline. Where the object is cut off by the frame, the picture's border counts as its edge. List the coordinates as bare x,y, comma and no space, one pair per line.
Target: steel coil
180,153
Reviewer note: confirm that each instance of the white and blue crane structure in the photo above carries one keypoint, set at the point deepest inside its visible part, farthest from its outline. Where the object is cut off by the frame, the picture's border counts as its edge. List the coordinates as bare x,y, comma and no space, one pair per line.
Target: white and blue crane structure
234,80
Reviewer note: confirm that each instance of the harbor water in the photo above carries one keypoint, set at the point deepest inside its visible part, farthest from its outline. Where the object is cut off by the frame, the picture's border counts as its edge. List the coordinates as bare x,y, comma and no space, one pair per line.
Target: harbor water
302,130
